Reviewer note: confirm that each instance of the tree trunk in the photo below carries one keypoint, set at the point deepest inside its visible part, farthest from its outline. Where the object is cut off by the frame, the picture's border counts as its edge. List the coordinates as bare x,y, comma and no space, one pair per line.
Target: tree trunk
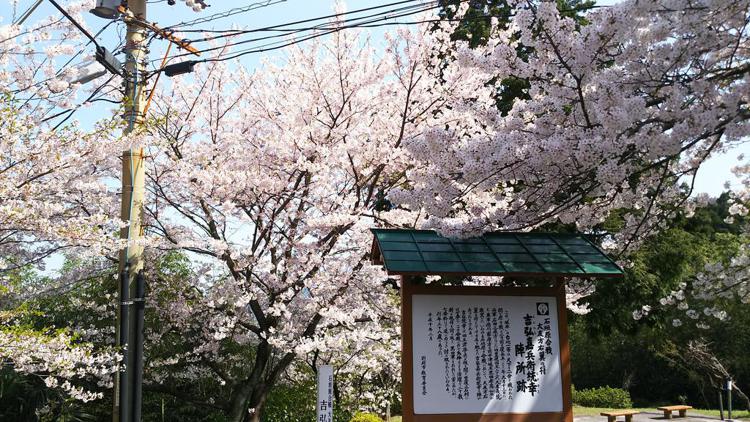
247,389
257,402
238,404
252,393
244,399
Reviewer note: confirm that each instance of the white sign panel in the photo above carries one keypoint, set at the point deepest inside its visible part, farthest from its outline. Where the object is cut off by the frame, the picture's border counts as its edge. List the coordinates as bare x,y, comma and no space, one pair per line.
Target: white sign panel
486,354
325,394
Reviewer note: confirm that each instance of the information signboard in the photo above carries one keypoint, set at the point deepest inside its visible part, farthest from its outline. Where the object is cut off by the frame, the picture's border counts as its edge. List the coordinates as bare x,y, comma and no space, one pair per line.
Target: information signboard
489,354
325,394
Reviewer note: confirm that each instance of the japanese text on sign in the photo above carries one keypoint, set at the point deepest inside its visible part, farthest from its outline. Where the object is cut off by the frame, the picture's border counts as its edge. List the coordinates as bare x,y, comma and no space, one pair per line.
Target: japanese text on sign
485,354
325,394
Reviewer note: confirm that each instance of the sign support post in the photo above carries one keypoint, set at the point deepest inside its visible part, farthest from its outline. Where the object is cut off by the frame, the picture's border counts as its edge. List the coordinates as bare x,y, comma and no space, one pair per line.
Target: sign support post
407,382
325,394
562,315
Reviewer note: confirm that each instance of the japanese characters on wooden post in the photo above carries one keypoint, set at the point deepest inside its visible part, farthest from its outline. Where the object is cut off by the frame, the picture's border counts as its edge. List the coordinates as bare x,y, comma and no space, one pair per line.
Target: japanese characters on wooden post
325,394
489,354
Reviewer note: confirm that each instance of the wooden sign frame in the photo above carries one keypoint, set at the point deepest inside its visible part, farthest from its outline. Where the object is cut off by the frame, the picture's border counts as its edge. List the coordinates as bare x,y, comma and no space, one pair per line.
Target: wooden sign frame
408,289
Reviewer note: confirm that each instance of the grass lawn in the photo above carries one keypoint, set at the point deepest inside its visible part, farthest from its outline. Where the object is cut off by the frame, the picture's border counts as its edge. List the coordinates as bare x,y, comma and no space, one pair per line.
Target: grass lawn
594,411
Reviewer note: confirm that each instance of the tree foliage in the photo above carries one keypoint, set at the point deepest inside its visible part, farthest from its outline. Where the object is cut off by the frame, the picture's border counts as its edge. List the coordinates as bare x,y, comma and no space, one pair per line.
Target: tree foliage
633,338
263,185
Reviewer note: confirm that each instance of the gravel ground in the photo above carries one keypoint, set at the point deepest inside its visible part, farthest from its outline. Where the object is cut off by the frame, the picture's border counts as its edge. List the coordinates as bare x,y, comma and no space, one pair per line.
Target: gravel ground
648,417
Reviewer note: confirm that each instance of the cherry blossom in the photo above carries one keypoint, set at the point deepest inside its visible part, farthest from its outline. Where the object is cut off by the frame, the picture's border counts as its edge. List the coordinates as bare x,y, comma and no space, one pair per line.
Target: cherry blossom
269,180
619,112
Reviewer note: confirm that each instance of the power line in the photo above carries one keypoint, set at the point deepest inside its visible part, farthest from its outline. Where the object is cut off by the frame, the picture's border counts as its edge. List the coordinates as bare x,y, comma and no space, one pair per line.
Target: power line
465,18
389,14
279,28
271,47
375,20
268,47
71,111
103,56
62,68
337,26
326,17
382,15
74,22
28,12
228,13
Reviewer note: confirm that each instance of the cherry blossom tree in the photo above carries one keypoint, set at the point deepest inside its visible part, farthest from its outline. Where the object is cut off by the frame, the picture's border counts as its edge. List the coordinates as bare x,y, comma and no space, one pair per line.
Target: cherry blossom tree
707,297
269,180
619,111
53,198
272,180
42,211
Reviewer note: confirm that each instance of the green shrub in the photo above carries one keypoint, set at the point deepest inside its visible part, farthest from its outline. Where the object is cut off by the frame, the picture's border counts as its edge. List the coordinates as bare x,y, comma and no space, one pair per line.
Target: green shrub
365,417
615,398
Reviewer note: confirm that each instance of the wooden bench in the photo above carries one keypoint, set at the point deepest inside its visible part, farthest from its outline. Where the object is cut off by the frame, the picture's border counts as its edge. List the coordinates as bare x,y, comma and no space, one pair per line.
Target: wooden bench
613,414
669,409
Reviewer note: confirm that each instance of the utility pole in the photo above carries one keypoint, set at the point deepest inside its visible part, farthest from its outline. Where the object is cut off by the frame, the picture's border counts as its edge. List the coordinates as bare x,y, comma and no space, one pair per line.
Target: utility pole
133,188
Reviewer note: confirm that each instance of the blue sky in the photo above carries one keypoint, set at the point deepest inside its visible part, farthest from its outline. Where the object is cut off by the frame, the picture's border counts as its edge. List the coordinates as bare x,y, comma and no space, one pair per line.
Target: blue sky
710,179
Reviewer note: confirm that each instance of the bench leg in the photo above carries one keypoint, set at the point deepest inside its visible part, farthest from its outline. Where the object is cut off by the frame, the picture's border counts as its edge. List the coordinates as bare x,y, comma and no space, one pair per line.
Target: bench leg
667,414
683,413
628,418
611,418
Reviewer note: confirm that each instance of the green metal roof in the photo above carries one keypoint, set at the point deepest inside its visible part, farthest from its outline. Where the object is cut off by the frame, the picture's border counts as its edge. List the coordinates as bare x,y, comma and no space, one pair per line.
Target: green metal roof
424,252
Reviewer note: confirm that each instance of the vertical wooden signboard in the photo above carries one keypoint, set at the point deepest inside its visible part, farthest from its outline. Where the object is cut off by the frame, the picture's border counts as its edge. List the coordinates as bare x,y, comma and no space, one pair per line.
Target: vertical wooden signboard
325,394
485,354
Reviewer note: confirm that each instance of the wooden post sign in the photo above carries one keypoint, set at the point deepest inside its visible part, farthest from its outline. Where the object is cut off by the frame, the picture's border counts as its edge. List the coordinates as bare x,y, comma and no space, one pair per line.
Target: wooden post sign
485,354
325,394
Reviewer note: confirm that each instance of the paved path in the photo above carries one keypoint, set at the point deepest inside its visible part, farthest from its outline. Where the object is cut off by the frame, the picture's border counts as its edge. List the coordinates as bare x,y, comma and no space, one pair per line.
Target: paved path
650,417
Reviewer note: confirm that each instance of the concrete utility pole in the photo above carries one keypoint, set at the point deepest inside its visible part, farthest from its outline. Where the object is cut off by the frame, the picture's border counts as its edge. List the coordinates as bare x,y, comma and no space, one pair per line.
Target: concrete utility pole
133,188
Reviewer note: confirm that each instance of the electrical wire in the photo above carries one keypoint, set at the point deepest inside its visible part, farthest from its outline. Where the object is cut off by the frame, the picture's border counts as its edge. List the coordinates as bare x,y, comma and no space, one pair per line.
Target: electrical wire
326,17
84,47
28,12
75,22
226,14
375,21
71,111
20,34
376,16
156,82
328,28
390,14
281,44
63,67
291,31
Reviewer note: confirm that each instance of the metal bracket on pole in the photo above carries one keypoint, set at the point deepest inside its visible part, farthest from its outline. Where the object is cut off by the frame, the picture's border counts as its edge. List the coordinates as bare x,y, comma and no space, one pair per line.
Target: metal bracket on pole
108,60
130,19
